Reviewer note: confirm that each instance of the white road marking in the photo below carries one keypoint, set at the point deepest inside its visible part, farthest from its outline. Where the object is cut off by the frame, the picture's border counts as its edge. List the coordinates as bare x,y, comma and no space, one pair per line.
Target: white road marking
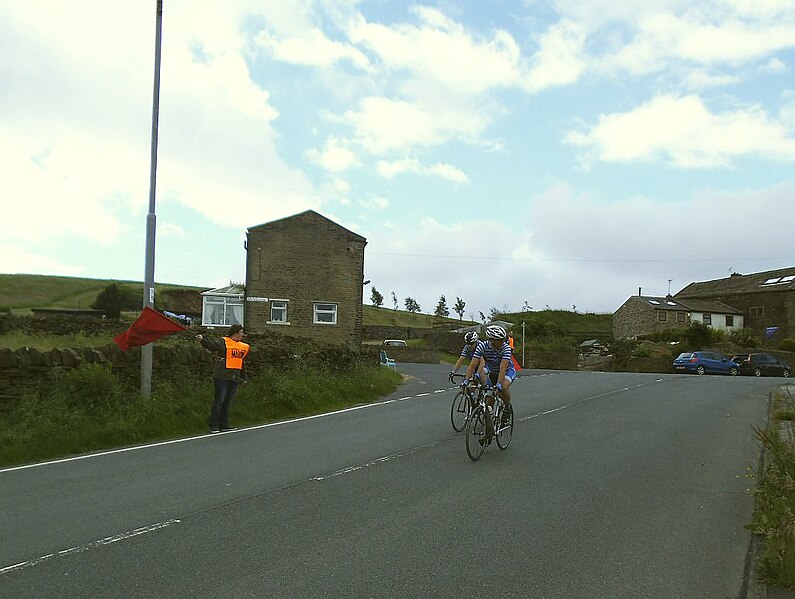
93,545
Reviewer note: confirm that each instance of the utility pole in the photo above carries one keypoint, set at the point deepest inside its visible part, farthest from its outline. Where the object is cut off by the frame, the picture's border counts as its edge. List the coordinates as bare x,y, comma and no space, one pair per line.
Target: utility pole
523,364
149,262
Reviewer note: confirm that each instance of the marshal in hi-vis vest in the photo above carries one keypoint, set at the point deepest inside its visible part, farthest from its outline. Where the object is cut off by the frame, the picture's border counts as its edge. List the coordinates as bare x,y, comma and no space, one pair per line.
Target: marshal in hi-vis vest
235,352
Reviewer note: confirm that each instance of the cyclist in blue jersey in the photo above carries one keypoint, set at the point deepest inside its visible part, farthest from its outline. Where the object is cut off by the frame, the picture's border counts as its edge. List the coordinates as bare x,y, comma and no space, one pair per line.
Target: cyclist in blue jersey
470,343
492,359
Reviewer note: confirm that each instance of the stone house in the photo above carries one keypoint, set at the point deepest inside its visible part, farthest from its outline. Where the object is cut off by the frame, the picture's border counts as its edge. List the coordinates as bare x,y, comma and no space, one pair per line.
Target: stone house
643,315
766,299
304,278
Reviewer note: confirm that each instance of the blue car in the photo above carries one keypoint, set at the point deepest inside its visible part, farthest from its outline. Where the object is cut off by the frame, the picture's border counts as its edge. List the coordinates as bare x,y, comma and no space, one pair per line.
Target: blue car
705,362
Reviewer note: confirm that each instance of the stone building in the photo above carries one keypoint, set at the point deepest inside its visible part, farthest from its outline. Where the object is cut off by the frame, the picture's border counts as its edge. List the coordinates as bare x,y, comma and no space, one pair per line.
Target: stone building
767,299
304,278
643,315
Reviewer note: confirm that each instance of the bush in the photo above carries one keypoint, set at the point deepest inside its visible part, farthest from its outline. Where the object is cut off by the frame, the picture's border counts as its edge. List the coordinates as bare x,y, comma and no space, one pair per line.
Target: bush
743,338
787,345
113,299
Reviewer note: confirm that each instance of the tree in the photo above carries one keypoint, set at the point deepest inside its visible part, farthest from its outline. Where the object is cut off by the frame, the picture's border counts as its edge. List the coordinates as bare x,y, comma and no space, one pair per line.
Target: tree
441,308
376,298
411,305
493,314
482,316
394,301
459,307
109,300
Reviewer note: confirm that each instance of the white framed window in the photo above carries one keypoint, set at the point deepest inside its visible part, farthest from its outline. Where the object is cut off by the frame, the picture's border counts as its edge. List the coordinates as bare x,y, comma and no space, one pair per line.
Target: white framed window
221,311
324,313
278,312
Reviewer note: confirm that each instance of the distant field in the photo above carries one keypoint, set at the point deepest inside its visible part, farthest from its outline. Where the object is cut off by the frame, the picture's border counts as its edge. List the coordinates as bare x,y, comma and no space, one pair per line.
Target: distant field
22,292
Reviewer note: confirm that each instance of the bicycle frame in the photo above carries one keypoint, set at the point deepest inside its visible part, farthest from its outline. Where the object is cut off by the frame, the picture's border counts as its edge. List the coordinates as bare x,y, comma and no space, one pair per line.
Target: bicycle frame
484,425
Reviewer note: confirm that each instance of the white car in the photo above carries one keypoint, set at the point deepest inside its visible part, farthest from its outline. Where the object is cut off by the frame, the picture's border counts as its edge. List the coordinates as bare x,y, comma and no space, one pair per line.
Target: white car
395,342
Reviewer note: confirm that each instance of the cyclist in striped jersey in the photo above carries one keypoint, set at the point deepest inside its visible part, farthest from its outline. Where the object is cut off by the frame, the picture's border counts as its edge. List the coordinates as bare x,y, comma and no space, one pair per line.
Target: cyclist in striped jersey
470,344
492,359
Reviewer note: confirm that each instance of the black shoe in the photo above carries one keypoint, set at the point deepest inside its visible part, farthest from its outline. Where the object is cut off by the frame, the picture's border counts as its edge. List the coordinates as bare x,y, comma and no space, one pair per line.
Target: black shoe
228,428
215,430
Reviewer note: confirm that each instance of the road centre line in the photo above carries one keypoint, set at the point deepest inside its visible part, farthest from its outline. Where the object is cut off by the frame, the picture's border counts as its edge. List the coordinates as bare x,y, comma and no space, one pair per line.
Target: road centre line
93,545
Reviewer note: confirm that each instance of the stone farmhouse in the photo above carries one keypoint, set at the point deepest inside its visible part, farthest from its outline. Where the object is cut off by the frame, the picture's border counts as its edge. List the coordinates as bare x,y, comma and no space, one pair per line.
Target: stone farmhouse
758,301
643,315
304,278
767,299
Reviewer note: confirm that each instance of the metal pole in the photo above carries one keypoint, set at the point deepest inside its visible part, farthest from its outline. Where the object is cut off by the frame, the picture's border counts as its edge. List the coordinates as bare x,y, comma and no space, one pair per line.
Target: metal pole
149,262
523,365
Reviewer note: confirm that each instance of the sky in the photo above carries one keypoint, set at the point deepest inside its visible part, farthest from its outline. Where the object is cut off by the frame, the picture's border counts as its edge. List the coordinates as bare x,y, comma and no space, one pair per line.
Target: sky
511,153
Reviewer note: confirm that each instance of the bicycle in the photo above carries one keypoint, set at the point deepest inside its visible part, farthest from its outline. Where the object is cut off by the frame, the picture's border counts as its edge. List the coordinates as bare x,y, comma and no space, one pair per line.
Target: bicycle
463,403
486,423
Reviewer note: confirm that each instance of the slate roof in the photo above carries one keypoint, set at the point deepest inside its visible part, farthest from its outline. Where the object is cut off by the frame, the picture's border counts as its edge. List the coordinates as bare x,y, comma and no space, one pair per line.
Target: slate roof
306,215
782,279
689,305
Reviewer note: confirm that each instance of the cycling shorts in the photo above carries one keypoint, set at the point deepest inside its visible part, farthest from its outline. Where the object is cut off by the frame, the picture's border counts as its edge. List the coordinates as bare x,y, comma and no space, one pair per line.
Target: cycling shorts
510,374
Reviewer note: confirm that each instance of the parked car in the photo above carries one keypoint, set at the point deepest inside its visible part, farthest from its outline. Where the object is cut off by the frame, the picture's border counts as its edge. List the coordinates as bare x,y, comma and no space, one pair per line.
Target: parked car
395,342
761,365
703,362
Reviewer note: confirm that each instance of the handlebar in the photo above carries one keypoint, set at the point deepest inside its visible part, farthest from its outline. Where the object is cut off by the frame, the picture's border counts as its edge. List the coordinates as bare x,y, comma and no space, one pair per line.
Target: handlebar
453,375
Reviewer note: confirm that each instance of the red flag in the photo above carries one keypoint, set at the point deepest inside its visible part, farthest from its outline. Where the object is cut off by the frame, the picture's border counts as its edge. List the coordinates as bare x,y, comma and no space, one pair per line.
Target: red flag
149,326
516,366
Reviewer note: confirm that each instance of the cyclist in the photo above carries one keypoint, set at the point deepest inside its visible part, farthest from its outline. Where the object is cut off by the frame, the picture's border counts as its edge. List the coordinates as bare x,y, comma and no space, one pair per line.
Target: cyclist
470,344
492,359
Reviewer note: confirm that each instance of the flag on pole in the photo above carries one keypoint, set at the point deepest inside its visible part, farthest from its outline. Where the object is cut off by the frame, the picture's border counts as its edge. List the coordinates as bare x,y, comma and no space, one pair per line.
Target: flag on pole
149,326
516,366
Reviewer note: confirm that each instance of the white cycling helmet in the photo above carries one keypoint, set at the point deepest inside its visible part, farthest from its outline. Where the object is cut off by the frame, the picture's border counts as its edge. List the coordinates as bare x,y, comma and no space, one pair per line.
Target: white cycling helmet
471,337
495,331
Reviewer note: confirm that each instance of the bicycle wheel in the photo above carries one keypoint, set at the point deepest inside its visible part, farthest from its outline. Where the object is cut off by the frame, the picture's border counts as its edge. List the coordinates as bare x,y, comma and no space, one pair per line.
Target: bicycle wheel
459,411
505,430
475,436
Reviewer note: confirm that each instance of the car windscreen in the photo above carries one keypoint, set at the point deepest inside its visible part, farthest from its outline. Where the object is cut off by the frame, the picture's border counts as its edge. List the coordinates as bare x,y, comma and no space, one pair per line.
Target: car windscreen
684,356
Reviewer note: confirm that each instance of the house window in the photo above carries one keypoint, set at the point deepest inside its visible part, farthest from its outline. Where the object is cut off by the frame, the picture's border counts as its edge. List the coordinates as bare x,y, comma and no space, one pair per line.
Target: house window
708,319
680,317
756,311
729,320
325,313
222,311
278,312
662,315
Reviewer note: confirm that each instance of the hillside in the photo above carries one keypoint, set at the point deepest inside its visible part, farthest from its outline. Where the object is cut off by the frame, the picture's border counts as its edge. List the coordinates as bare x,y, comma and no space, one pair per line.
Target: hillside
22,292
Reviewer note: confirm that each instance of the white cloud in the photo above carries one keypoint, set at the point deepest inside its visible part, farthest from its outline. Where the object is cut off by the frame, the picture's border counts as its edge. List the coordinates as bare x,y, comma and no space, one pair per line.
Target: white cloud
334,157
17,259
560,59
436,48
382,125
376,203
388,170
774,65
313,48
682,131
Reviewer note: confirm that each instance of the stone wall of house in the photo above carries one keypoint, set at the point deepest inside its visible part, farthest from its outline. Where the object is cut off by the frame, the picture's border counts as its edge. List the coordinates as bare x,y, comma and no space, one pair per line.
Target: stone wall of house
637,317
778,311
305,259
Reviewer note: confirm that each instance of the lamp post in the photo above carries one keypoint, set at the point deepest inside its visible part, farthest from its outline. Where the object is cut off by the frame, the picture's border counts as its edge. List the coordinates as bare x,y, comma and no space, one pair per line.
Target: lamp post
149,261
523,344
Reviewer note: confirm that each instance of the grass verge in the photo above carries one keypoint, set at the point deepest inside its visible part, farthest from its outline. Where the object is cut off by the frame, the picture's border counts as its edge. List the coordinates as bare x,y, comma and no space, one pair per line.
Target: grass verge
88,409
774,516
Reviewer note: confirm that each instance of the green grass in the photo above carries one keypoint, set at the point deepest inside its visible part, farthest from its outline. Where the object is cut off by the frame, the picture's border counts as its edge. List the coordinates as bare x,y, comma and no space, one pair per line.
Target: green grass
88,409
20,292
400,318
774,516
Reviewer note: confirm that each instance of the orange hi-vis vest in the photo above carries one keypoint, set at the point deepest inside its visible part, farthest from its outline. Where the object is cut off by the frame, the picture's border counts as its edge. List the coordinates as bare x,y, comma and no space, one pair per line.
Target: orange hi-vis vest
235,352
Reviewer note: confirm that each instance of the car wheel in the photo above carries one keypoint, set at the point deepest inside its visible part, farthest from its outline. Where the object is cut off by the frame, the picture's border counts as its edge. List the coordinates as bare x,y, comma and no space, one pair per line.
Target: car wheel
733,371
785,374
700,370
757,372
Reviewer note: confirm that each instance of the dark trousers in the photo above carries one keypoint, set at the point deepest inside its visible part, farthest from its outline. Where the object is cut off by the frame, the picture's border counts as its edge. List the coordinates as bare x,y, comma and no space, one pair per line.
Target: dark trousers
225,392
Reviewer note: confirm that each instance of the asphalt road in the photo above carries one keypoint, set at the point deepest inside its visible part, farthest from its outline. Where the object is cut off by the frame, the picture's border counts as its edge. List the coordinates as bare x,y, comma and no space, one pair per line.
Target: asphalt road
615,485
